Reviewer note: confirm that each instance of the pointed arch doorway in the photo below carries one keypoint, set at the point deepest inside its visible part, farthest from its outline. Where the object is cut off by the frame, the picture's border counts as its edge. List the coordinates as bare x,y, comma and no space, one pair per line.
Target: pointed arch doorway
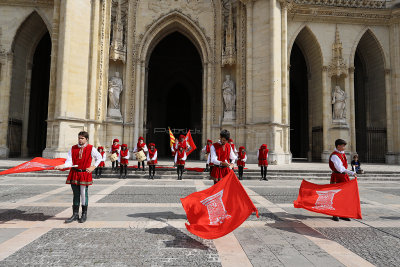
174,92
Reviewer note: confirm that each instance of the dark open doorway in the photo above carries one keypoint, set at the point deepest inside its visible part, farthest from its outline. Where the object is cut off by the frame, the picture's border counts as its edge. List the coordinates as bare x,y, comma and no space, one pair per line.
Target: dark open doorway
174,94
39,97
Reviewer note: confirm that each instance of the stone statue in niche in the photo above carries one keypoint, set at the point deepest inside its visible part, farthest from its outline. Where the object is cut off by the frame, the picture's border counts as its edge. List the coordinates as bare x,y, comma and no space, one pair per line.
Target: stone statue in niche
339,103
229,95
114,92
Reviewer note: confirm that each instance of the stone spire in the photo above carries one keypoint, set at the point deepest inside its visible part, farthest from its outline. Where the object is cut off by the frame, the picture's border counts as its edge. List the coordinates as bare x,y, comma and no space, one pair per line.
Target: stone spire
229,52
337,66
118,48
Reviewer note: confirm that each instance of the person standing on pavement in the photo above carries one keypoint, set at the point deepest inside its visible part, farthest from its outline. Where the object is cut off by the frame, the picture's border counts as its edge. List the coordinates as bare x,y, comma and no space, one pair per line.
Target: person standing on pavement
152,160
115,148
206,151
262,155
338,165
242,158
80,177
222,156
123,160
140,146
102,163
180,157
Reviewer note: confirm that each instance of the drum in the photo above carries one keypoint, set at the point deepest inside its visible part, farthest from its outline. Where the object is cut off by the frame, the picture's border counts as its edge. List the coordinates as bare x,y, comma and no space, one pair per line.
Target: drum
140,156
206,156
113,157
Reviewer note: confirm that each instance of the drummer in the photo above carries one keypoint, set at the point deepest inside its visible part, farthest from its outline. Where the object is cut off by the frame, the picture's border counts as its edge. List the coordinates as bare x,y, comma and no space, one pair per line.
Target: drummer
123,159
141,146
152,160
180,157
115,149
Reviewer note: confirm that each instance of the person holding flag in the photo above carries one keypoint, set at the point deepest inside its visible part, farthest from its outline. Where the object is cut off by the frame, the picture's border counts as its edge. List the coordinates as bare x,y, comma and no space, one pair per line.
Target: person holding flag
338,165
102,164
140,146
123,159
180,157
115,148
206,151
233,146
182,142
152,160
262,155
222,156
242,158
80,177
172,142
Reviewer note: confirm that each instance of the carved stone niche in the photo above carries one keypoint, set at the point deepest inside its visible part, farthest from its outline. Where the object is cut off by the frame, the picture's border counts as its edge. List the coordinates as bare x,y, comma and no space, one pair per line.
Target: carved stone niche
118,40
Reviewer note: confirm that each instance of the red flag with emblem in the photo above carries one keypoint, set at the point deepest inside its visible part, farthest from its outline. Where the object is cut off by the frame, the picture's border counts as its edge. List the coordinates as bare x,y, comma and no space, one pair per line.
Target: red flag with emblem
36,164
342,199
189,140
218,210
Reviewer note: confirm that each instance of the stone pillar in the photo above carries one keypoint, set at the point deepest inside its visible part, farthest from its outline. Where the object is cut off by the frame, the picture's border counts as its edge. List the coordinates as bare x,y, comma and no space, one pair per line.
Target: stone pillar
5,87
249,60
137,100
390,155
326,115
352,112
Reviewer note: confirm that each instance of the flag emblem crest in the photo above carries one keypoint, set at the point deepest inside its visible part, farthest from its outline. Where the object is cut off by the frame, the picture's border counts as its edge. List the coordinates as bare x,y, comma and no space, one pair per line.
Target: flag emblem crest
325,199
217,213
29,165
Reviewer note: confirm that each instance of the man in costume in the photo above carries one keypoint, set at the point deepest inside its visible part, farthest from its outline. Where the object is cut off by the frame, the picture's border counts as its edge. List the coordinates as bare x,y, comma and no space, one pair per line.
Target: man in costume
338,165
242,158
180,157
102,164
152,160
80,177
206,151
115,148
233,146
123,159
222,156
262,155
140,146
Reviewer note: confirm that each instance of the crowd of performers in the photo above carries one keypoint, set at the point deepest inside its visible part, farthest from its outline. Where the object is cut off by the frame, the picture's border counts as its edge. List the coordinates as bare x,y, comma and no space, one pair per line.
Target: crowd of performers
221,157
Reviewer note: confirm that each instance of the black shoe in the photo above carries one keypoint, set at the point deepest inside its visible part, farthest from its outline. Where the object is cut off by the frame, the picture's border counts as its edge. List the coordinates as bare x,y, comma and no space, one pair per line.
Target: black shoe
75,215
84,214
335,218
345,219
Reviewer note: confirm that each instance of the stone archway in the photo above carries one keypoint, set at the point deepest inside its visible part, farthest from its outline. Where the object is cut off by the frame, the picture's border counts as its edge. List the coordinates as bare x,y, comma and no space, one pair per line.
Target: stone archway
28,107
305,97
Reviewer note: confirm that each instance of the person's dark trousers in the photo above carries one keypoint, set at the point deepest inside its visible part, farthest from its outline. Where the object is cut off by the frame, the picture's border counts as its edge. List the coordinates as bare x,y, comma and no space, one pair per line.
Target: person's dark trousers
240,172
123,170
180,171
211,167
152,171
76,189
98,172
115,165
207,168
264,173
142,165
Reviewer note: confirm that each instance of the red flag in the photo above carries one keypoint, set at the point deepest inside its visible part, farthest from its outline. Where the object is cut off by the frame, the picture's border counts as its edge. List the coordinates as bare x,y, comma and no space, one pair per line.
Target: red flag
218,210
36,164
189,140
342,199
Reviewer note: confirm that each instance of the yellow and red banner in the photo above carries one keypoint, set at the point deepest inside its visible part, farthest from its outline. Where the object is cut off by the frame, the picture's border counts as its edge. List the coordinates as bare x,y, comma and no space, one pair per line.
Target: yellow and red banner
171,138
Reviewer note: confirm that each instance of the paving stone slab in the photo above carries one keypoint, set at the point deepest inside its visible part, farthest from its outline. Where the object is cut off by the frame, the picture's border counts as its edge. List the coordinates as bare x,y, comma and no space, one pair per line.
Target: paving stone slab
12,193
278,195
8,233
116,247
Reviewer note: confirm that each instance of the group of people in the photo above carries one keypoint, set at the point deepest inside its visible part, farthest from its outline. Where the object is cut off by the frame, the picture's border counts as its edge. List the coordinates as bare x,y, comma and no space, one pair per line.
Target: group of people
221,158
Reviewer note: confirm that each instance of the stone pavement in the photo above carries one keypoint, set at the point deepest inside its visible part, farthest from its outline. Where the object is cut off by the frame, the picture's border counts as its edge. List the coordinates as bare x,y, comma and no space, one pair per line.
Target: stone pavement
140,222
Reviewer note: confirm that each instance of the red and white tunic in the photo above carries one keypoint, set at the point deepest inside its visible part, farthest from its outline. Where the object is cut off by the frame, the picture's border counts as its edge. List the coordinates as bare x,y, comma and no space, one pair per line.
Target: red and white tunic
207,151
152,157
221,153
81,156
242,158
262,155
140,147
115,149
180,157
338,165
103,159
124,156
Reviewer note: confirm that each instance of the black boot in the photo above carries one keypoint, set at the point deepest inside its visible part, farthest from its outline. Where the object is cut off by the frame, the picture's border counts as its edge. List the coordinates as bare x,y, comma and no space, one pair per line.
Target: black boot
100,170
120,172
75,214
125,171
84,214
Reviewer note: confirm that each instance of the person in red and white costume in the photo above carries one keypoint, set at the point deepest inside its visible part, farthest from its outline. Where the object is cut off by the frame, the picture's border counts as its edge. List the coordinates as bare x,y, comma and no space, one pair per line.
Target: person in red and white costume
242,158
181,142
80,177
206,151
338,165
123,159
152,160
140,146
233,146
102,164
262,155
115,148
222,156
180,157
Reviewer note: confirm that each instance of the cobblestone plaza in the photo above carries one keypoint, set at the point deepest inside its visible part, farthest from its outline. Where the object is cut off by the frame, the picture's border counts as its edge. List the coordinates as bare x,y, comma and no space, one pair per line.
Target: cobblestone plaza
140,222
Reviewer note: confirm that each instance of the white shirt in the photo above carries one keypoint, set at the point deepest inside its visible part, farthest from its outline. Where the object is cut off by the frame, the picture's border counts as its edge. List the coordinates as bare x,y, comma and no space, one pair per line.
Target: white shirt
176,156
245,158
119,149
95,154
214,158
153,158
104,157
177,144
339,165
144,149
126,157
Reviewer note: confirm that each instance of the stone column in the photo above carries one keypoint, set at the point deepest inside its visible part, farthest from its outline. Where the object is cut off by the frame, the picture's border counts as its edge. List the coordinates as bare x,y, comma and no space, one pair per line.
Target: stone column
352,112
326,114
390,155
139,85
284,65
249,60
5,87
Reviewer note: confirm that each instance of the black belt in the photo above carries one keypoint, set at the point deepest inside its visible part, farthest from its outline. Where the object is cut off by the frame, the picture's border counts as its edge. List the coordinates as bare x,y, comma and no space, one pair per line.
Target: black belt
78,170
219,166
338,172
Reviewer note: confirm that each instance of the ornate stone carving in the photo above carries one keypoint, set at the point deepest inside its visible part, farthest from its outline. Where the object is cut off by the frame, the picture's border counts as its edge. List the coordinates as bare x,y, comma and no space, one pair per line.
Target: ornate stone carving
114,92
339,104
198,6
118,44
229,96
337,66
229,51
343,3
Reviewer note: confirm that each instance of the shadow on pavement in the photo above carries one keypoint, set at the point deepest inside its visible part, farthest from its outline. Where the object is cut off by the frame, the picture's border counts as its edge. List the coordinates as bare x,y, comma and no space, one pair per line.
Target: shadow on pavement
15,214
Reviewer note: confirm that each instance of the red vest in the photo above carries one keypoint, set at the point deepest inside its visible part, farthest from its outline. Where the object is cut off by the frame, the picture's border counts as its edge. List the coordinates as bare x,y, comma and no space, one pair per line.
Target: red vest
140,147
124,153
241,156
262,155
114,149
179,157
208,148
86,160
221,154
341,156
151,155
